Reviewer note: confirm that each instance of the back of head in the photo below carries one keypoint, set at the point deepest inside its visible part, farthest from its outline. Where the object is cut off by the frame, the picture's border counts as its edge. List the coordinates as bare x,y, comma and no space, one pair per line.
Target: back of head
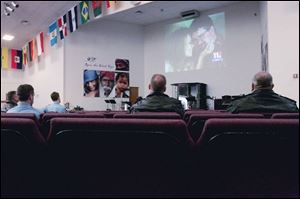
10,95
158,83
24,91
262,80
54,96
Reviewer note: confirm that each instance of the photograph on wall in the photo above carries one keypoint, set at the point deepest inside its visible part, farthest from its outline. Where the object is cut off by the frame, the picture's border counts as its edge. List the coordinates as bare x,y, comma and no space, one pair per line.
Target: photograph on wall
122,64
91,83
107,82
121,88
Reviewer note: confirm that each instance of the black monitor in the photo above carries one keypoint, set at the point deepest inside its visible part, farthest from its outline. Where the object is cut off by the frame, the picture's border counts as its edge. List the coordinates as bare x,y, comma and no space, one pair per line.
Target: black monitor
112,101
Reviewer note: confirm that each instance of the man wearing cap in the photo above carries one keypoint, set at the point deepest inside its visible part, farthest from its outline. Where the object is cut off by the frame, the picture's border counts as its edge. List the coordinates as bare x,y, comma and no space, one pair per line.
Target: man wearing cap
106,83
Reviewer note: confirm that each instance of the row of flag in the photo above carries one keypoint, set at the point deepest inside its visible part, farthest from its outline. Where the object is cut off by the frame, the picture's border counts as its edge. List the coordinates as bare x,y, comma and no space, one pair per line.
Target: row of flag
35,47
60,25
20,58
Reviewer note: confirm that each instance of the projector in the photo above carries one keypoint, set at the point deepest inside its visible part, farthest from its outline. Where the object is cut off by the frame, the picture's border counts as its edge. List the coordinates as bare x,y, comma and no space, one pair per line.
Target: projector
190,14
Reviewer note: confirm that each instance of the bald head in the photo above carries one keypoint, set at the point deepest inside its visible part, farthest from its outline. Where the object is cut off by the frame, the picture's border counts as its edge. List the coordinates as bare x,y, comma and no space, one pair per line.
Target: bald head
158,83
262,80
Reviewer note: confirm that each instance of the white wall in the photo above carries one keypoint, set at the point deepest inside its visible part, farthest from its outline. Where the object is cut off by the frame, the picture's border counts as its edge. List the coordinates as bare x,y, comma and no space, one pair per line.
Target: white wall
283,38
243,58
44,74
105,40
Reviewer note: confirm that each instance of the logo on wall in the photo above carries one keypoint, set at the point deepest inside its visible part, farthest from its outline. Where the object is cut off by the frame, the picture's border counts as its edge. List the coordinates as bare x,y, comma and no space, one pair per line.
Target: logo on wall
106,84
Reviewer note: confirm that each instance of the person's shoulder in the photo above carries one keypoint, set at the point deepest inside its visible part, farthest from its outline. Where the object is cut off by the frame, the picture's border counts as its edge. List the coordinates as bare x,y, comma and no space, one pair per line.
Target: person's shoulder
287,99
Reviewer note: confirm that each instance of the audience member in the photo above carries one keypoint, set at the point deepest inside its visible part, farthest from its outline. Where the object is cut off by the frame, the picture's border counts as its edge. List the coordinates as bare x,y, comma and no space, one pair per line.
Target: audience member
56,106
157,101
263,98
25,93
11,101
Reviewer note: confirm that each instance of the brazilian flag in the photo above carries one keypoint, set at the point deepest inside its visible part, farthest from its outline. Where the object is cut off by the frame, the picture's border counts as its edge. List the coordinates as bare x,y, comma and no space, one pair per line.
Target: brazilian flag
84,12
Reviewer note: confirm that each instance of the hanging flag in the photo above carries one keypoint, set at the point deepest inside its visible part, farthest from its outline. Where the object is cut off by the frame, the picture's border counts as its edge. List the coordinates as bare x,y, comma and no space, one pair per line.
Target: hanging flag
28,53
62,26
31,50
4,58
96,8
53,33
24,51
110,3
40,43
16,59
73,25
84,11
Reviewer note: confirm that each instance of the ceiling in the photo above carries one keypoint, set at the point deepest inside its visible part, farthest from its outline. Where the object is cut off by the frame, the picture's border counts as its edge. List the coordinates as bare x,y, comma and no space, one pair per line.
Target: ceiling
41,13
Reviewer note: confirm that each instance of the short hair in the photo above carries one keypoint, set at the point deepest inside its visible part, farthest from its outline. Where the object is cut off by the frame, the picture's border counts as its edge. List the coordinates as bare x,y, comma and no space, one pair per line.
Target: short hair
24,91
122,75
262,80
158,83
10,95
202,21
54,96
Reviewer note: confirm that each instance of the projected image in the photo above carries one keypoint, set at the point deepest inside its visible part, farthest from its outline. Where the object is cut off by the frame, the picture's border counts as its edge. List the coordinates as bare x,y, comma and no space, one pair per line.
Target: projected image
195,44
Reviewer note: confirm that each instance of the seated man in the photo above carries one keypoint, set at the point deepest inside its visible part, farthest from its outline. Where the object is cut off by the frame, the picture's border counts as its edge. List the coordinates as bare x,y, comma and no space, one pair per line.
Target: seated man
157,101
25,93
56,106
263,98
11,101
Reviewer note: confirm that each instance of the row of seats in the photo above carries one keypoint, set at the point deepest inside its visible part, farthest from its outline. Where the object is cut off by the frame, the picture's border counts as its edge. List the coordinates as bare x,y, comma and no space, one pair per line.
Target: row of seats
150,157
195,123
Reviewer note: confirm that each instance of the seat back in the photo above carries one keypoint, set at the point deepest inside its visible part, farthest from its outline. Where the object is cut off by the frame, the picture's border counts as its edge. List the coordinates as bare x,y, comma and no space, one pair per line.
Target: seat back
197,121
149,115
258,156
123,157
188,113
285,116
48,116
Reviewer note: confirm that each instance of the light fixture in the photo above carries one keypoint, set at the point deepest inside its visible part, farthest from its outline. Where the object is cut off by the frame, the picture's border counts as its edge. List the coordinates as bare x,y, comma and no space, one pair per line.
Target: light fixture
8,8
8,37
6,12
14,4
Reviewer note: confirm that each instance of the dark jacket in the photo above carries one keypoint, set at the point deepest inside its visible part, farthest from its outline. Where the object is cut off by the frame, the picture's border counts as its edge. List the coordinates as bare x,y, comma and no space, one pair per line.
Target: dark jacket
158,102
263,100
8,105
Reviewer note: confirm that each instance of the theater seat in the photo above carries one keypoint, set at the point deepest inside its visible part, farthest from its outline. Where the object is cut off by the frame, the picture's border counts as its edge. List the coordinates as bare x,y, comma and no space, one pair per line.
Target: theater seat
119,157
249,157
197,121
22,155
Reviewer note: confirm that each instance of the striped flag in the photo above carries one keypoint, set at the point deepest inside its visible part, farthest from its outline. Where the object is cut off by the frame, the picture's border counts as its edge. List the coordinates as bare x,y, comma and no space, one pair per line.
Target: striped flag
62,26
110,3
24,51
84,11
4,58
31,50
16,59
96,8
73,25
53,33
40,43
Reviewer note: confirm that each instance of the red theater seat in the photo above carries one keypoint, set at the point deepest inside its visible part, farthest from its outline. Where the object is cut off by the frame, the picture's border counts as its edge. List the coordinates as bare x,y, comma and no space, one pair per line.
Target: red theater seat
197,121
249,157
119,157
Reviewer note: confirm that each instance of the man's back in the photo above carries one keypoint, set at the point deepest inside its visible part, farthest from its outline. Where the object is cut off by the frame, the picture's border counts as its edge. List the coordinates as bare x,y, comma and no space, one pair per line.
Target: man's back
263,100
158,102
24,107
55,107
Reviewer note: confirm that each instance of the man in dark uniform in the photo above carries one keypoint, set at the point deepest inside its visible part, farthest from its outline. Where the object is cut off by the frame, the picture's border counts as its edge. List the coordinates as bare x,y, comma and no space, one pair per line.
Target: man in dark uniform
157,101
263,98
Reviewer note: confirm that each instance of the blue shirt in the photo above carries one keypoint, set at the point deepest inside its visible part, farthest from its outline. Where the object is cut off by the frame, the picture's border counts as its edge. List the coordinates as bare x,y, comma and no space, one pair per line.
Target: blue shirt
24,107
55,107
